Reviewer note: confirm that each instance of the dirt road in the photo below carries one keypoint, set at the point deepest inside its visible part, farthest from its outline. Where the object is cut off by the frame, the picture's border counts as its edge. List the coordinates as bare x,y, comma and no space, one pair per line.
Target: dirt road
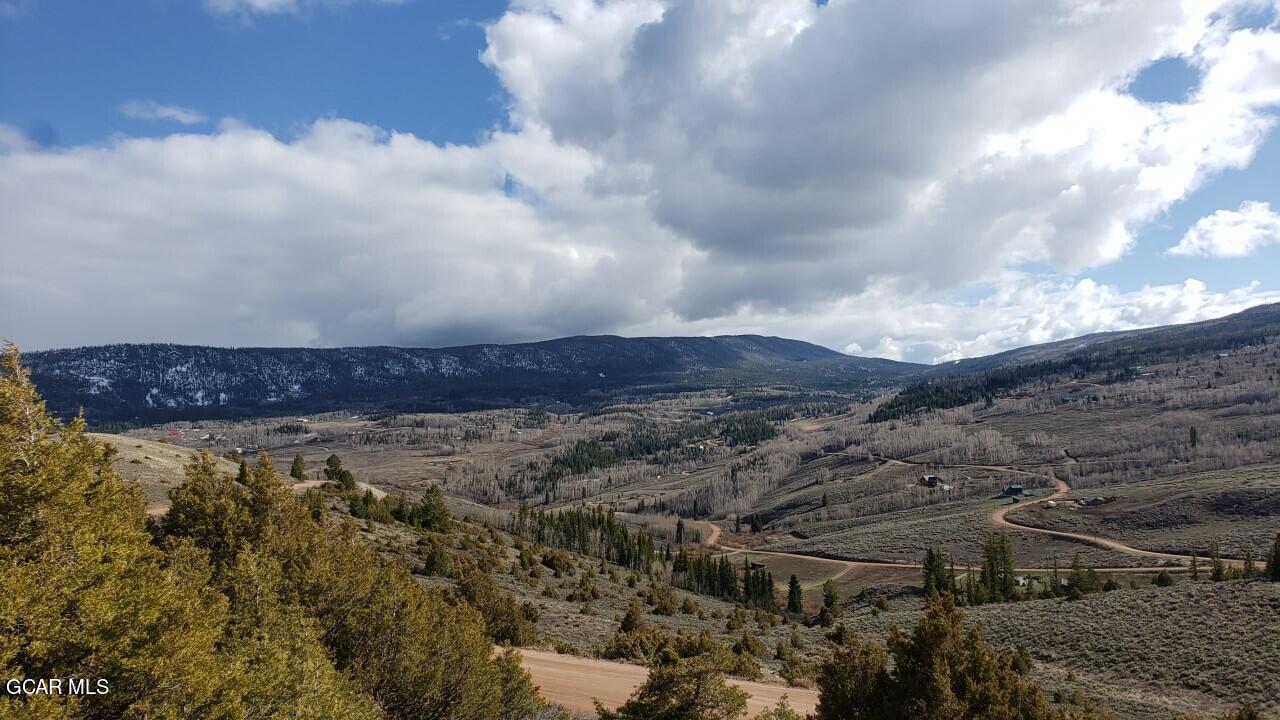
999,518
575,682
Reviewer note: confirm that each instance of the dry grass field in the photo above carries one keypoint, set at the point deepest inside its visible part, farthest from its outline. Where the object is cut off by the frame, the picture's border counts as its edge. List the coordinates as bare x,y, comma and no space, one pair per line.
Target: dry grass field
959,528
156,465
1238,508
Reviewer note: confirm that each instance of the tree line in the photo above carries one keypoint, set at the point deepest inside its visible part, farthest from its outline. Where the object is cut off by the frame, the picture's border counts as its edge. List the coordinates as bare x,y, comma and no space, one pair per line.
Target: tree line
594,532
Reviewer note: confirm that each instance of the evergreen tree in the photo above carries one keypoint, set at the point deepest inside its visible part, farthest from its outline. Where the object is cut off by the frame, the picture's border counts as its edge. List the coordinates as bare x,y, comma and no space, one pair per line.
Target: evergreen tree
338,475
82,590
938,671
997,569
691,688
795,596
293,618
938,577
633,619
1055,579
1082,580
298,470
1273,561
1218,569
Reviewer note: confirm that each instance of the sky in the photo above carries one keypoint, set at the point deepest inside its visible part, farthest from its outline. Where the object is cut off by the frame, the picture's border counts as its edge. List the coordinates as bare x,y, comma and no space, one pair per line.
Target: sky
917,181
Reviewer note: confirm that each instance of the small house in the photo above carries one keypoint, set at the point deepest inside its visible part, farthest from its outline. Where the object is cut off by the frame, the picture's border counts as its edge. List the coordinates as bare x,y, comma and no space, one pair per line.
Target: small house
929,481
1013,490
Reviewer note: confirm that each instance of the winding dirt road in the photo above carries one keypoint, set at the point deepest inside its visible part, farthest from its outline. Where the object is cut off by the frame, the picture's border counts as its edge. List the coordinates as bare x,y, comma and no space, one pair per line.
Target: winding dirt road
999,518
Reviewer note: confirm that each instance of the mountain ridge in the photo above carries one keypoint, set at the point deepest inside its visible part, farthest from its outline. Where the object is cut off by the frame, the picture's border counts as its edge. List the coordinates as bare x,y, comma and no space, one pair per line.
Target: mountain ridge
159,380
149,382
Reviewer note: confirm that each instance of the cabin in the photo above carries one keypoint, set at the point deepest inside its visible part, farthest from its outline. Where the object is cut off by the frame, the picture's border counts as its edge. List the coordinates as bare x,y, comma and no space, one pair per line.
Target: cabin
1013,490
930,481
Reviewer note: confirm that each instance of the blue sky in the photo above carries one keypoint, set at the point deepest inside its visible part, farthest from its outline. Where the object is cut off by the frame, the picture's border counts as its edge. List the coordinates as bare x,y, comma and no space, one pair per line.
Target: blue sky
67,66
495,173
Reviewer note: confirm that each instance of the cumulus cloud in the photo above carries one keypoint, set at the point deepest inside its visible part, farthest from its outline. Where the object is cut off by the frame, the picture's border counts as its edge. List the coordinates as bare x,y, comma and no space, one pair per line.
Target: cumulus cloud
1025,311
343,235
1231,233
1020,310
675,167
808,150
152,110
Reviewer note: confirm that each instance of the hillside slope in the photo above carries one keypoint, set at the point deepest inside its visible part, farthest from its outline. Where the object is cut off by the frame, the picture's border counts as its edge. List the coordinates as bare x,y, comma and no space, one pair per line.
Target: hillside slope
149,383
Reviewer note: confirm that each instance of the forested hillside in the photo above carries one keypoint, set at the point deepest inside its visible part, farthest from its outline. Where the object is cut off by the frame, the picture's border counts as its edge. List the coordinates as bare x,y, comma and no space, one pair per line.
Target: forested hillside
117,383
1120,358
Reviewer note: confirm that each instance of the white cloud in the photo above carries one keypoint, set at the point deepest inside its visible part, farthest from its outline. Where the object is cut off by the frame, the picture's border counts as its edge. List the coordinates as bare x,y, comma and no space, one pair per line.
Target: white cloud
679,167
1021,310
1231,233
14,140
246,8
1025,312
344,235
807,151
152,110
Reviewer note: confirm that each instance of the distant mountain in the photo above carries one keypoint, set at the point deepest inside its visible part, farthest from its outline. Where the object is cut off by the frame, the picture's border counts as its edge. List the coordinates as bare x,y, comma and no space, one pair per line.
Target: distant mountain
1221,333
1117,356
1029,353
153,382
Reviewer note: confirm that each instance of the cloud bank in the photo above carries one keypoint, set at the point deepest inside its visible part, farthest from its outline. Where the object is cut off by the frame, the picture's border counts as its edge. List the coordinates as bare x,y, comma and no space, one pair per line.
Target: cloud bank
675,167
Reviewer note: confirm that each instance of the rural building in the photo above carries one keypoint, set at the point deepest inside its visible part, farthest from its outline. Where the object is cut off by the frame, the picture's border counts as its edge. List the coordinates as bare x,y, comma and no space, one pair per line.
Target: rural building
929,481
1013,490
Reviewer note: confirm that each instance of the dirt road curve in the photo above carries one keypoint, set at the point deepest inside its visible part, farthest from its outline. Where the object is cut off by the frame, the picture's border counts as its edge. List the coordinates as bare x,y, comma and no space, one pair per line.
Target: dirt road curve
714,540
575,682
999,518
